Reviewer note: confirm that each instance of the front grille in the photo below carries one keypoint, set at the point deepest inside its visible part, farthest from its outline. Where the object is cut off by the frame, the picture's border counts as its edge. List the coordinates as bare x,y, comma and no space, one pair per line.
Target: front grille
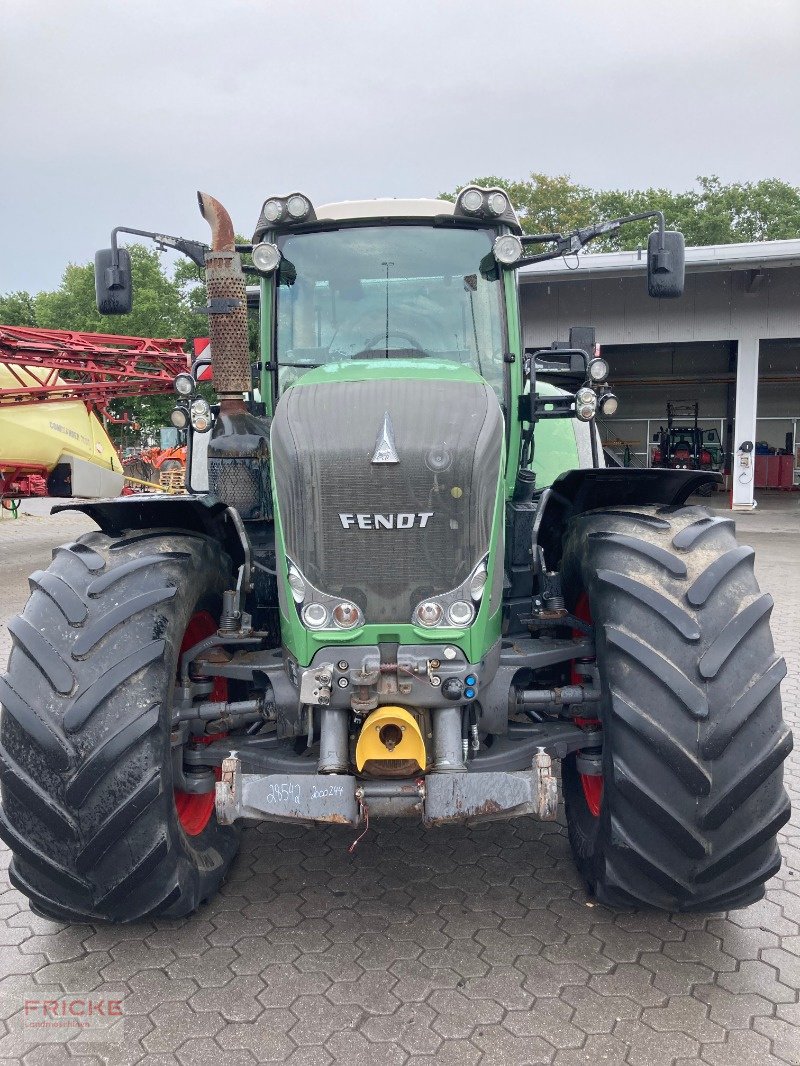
323,440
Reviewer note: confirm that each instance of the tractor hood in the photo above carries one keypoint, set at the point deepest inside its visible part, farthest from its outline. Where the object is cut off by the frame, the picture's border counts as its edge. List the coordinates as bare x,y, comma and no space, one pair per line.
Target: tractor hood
386,480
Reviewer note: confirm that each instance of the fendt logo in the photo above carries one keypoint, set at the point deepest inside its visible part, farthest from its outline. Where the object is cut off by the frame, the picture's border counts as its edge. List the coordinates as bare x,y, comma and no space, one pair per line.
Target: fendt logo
403,520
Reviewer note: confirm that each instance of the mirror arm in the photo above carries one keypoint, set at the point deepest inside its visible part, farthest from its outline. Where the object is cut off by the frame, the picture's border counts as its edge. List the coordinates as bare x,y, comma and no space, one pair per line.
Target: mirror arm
194,250
573,242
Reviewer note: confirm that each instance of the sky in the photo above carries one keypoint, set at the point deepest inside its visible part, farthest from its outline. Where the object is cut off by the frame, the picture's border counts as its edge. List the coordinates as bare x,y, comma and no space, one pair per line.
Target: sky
114,112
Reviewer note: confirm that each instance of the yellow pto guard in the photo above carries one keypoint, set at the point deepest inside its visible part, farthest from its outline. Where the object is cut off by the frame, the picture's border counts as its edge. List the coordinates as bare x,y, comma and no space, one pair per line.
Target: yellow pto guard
390,733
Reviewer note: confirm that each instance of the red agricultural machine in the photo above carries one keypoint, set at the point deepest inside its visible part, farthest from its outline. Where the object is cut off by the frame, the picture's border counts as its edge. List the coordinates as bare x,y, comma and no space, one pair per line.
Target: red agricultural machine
53,386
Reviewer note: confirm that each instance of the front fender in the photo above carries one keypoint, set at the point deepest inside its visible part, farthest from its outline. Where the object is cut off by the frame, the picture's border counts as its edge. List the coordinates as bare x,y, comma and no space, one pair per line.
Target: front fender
188,514
577,491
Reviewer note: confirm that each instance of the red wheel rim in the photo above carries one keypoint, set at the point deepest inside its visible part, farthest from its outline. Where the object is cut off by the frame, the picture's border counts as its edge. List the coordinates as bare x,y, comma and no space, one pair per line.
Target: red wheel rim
592,783
195,809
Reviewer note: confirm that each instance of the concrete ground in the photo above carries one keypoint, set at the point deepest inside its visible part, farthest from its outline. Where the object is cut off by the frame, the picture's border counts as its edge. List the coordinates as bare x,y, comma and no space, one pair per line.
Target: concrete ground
440,947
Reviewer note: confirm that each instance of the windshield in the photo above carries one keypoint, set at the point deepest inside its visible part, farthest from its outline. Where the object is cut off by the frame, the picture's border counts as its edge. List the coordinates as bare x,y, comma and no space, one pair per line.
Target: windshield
389,292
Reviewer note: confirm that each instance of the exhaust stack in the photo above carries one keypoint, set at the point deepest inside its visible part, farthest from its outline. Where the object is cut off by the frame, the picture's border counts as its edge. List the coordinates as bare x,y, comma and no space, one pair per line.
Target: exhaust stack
238,452
226,288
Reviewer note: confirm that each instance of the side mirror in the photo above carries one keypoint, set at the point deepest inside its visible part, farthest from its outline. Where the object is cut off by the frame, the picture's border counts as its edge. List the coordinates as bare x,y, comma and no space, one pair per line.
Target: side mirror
666,264
113,285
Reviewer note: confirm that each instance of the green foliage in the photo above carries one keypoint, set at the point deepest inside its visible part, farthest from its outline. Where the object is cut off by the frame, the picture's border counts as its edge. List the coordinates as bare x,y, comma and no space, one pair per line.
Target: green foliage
712,213
17,309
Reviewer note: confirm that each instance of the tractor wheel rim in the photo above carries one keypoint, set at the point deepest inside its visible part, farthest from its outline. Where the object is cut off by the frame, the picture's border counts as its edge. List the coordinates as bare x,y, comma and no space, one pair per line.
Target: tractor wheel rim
592,784
195,810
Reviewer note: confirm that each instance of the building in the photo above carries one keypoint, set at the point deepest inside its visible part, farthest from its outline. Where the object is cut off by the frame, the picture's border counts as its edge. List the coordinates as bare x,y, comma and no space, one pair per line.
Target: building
731,344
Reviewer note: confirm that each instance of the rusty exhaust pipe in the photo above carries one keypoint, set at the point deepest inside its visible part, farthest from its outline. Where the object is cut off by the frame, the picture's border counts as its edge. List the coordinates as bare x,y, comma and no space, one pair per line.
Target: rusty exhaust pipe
238,452
230,354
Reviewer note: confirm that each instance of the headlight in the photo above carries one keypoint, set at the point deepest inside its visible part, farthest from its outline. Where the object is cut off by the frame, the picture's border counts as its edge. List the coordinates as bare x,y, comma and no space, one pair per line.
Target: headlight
179,417
201,416
497,203
429,613
296,584
314,615
598,370
507,249
608,404
585,404
478,582
472,201
184,384
266,257
346,615
298,206
273,209
460,613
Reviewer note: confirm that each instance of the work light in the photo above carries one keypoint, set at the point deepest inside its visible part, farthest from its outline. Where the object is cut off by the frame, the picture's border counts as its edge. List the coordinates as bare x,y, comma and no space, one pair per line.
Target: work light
266,257
179,417
598,370
608,404
298,206
471,201
184,384
496,203
507,249
273,209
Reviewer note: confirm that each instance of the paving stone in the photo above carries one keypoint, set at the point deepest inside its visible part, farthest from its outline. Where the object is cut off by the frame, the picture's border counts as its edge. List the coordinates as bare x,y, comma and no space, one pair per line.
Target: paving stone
457,1016
594,1013
500,1045
742,1047
649,1047
686,1015
235,1002
317,1019
734,1010
549,1019
410,1027
784,1036
607,1050
175,1023
265,1039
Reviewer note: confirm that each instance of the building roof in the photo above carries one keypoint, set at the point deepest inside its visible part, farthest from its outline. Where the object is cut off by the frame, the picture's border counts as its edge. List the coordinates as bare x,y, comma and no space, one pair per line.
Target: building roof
704,258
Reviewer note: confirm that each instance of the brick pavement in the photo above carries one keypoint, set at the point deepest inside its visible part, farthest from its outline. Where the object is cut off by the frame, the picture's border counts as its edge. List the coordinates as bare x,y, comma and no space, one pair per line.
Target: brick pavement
450,946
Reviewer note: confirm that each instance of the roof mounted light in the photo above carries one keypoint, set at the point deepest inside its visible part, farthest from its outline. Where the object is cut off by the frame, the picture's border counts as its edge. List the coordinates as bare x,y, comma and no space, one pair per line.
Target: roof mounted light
491,204
280,212
496,203
471,201
273,210
298,206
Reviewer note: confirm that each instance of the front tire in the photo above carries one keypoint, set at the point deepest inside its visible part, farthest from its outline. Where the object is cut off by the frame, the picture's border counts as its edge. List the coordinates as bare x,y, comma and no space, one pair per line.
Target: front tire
88,805
693,738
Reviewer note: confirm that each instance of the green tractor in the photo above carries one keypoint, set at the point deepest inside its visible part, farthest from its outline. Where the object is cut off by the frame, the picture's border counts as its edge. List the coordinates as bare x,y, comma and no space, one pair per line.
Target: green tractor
402,584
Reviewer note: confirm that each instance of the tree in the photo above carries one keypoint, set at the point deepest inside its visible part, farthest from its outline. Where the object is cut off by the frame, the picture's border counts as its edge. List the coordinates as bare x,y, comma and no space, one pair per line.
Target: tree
17,309
712,213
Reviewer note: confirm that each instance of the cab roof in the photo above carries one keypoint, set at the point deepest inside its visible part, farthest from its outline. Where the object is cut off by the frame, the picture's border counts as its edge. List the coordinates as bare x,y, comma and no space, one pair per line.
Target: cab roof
385,207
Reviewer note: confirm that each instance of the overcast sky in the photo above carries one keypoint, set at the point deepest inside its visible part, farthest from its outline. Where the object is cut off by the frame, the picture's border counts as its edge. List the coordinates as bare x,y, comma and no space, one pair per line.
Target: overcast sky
116,112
